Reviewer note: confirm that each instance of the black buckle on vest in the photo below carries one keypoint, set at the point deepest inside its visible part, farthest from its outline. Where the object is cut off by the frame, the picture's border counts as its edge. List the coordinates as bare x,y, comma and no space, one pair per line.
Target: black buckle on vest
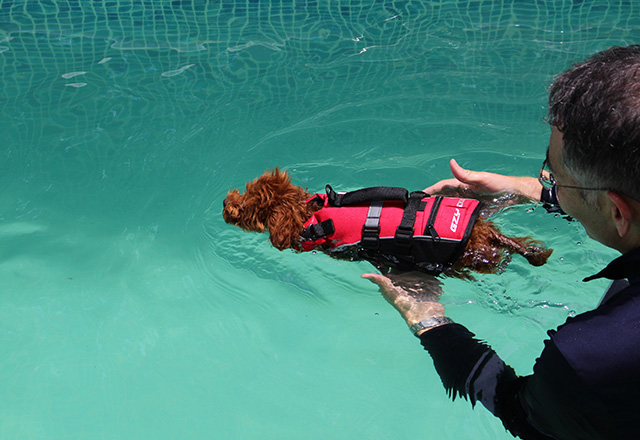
403,236
371,228
370,237
319,230
404,232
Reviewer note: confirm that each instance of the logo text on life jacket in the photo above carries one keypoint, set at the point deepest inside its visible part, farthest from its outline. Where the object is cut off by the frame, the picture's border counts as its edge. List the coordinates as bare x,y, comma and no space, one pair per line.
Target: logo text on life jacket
455,220
456,216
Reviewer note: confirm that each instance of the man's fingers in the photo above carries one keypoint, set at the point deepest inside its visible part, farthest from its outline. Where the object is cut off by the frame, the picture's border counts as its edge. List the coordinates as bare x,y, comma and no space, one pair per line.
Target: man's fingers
442,185
463,179
376,278
370,276
387,288
462,174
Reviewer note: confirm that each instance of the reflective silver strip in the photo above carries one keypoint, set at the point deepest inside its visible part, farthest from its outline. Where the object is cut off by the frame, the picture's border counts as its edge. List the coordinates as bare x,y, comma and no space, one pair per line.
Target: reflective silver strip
373,216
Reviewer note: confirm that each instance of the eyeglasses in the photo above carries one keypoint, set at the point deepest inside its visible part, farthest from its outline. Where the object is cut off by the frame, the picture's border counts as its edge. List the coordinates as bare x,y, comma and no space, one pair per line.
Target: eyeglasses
547,180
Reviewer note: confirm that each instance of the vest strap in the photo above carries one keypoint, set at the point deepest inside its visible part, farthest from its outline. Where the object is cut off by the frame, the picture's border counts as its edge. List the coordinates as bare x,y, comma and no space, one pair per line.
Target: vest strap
319,230
404,232
371,228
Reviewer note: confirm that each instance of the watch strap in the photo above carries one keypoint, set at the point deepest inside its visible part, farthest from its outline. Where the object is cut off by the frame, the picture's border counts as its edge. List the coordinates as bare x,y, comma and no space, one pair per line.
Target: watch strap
429,323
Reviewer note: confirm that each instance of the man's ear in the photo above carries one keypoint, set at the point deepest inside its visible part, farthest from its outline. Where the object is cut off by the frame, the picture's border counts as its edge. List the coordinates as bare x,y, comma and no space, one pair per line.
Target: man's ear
621,212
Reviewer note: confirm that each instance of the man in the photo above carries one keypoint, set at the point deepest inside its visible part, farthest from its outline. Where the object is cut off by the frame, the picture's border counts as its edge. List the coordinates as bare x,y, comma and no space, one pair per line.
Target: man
586,382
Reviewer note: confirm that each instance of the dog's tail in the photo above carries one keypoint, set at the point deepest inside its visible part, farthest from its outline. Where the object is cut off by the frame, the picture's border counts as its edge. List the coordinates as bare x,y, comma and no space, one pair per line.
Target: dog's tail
534,251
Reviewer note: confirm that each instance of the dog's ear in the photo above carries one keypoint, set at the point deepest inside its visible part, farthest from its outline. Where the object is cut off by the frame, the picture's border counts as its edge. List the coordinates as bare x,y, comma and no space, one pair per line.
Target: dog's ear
285,225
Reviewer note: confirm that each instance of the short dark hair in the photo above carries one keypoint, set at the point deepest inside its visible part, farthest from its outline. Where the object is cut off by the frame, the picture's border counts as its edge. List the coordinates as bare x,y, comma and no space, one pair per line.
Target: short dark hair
596,106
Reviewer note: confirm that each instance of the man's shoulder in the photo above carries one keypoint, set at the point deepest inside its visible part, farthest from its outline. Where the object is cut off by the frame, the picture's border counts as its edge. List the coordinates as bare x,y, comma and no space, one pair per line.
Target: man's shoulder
606,338
602,353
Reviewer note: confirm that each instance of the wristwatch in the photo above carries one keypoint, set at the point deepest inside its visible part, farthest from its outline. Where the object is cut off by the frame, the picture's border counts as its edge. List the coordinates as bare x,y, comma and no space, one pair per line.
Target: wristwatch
429,323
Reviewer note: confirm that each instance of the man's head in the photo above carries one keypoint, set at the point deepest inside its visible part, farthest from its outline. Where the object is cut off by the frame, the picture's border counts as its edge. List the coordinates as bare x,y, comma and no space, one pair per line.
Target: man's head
596,106
594,109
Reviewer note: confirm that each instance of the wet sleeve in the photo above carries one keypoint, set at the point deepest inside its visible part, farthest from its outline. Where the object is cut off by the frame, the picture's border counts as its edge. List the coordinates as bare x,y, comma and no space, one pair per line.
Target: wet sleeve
550,403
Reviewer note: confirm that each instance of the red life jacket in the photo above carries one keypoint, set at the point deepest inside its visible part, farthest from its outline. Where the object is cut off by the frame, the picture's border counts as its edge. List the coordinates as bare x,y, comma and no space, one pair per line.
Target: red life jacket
390,227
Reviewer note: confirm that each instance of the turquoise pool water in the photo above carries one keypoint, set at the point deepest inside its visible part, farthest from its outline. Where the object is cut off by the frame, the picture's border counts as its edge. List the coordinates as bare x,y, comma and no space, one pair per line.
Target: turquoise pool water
130,310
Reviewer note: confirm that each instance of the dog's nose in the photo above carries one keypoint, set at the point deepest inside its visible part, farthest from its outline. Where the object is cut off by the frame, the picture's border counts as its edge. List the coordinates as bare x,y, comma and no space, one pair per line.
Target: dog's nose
224,203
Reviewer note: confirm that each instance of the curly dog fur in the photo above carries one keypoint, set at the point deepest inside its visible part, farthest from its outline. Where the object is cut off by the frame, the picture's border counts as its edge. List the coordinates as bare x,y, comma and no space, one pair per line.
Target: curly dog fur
272,203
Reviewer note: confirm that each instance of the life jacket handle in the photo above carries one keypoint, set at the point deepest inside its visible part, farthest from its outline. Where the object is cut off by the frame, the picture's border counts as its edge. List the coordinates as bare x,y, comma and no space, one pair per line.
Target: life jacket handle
372,194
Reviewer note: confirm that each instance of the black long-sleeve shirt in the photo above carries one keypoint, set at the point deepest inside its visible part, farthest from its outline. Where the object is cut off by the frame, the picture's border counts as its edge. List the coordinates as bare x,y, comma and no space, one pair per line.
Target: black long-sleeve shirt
586,382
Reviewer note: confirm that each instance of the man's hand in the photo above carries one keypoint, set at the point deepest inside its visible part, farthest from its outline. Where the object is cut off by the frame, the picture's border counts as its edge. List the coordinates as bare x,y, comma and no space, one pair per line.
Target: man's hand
482,182
413,308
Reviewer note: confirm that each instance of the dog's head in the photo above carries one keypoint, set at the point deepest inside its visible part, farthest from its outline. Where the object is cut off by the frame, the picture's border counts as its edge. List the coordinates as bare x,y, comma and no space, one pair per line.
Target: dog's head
271,202
236,213
251,210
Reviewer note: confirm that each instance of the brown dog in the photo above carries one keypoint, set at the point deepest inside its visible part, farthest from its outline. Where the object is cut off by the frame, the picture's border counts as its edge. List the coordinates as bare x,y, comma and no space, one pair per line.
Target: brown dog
272,203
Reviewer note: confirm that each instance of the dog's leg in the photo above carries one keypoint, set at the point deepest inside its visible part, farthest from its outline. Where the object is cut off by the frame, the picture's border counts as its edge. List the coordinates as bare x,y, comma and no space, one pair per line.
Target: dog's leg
535,252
